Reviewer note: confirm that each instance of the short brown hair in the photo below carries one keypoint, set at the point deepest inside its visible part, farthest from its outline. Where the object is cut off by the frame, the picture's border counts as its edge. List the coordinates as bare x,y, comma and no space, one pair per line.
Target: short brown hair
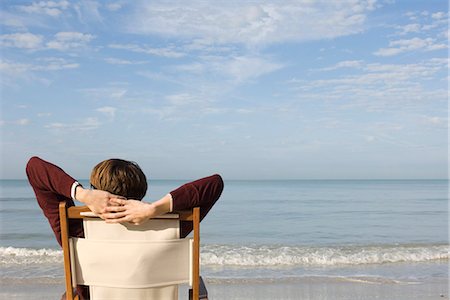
120,177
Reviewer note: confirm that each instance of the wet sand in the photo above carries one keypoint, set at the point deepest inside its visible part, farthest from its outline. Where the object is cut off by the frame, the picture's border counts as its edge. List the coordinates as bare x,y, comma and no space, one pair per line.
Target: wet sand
309,289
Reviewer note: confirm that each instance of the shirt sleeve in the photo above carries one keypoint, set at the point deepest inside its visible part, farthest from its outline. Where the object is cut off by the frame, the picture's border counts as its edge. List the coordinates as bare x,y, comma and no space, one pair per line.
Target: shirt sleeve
52,185
201,193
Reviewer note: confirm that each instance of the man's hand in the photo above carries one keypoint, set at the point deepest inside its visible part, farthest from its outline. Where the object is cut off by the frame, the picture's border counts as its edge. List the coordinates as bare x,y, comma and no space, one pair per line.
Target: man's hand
96,200
136,212
132,211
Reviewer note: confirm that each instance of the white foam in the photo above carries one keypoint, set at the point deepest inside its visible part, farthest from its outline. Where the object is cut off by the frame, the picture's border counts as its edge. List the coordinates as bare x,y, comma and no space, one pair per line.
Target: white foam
11,255
268,255
285,256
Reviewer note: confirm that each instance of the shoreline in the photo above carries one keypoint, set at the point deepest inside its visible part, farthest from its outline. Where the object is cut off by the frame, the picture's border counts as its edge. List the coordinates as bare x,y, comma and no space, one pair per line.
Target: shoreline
313,288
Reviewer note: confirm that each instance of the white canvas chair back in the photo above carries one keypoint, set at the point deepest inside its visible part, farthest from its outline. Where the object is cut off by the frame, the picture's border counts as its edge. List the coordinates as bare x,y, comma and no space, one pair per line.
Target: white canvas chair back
124,261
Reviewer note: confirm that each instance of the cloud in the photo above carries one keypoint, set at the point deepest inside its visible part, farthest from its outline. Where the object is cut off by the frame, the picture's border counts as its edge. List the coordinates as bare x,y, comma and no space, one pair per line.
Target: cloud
11,71
22,122
21,40
436,121
13,20
53,64
409,28
114,92
378,87
50,8
62,41
107,110
370,138
236,68
184,99
438,15
389,74
164,52
251,23
88,11
353,64
69,40
44,64
84,125
407,45
423,23
19,122
113,6
247,67
118,61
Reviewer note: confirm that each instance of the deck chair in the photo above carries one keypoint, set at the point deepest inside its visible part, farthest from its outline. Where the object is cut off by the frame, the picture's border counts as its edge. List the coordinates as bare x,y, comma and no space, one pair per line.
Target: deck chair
125,261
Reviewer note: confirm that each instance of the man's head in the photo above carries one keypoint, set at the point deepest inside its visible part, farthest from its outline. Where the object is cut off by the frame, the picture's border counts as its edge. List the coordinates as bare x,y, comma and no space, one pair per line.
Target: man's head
120,177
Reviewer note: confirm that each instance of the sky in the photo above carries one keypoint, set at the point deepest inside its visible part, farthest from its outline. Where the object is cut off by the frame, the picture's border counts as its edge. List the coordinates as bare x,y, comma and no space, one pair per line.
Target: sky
348,89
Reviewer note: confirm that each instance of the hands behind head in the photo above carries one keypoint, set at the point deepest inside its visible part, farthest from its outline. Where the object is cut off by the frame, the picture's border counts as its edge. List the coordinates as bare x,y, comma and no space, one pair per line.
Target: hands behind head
117,209
96,200
136,212
132,211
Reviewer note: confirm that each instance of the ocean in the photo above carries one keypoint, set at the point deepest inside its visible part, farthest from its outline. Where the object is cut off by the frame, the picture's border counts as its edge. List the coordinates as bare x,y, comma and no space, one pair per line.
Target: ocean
374,231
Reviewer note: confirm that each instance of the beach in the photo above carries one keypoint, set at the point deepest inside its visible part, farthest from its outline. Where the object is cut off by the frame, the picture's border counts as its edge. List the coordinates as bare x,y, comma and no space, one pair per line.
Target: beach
309,289
287,240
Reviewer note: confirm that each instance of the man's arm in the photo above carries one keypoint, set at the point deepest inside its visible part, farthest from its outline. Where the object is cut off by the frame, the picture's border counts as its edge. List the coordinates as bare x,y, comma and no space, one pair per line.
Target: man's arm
52,185
201,193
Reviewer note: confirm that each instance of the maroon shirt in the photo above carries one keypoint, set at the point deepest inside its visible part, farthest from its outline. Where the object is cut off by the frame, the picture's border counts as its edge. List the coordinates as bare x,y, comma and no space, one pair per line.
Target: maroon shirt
52,185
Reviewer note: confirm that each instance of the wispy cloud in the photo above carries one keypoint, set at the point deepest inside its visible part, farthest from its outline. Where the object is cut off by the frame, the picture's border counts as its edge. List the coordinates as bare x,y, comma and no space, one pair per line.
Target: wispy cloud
50,8
54,64
436,121
107,110
409,28
21,40
408,45
42,64
19,122
11,71
105,93
61,41
245,67
213,75
237,69
357,64
69,40
251,23
375,86
83,125
118,61
114,6
88,11
169,52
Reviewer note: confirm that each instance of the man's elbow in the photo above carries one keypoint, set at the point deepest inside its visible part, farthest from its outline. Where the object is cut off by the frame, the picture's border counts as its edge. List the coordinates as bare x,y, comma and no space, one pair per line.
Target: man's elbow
219,184
32,162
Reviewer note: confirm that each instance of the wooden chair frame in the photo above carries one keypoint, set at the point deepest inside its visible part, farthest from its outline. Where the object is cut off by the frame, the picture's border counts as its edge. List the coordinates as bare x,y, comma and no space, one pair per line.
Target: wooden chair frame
198,290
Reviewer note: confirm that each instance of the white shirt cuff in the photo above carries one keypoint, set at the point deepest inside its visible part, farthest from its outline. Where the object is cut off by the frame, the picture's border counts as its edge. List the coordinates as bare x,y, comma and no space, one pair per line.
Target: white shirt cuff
171,203
73,189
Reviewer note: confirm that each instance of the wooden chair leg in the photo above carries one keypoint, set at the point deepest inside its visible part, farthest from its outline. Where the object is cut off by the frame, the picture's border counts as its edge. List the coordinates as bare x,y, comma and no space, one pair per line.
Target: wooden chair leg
203,293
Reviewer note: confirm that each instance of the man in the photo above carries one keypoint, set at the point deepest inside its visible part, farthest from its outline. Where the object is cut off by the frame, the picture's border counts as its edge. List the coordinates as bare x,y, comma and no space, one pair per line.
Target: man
114,181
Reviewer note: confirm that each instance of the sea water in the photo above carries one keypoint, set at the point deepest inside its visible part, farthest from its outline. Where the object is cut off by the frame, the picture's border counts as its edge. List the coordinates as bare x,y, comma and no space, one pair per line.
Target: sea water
392,231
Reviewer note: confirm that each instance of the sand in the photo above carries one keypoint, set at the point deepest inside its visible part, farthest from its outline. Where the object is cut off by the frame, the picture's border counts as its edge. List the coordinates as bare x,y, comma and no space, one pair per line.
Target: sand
308,289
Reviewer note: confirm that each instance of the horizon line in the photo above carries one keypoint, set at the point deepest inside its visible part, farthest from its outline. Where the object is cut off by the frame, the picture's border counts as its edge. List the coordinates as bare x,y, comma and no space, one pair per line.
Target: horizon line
273,179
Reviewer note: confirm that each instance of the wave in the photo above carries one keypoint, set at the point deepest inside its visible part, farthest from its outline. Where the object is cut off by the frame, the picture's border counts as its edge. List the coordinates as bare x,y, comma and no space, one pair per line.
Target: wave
298,256
269,255
26,256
